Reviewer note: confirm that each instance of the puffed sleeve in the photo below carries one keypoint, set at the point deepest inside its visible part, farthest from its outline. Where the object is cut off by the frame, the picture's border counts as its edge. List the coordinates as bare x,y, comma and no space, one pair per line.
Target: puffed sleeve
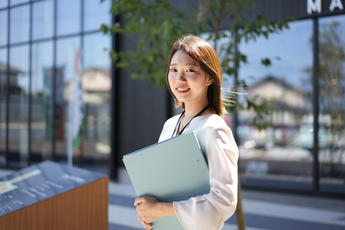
210,211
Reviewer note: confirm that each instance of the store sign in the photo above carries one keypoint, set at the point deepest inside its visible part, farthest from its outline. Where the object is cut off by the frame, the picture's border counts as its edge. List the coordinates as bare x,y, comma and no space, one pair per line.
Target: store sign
315,6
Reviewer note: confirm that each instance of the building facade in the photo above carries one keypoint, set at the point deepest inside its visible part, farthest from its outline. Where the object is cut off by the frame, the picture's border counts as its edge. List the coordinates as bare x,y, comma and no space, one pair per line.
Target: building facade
62,99
303,88
55,77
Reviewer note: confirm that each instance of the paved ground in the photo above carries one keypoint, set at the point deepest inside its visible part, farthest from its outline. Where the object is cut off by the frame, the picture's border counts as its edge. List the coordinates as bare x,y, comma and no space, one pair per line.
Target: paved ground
263,210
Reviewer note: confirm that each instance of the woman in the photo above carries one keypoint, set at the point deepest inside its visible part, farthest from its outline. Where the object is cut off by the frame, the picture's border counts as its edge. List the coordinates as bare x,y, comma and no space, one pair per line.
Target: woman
194,79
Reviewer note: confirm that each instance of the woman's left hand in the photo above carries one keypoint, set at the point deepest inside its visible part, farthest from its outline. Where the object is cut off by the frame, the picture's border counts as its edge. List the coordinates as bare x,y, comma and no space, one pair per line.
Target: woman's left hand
147,208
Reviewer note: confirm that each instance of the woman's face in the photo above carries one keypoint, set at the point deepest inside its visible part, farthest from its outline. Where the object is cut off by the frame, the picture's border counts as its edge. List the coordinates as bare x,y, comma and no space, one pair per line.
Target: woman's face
188,82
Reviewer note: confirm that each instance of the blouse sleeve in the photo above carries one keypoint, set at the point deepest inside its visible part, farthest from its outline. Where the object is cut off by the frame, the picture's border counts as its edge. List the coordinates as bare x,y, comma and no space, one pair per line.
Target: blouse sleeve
210,211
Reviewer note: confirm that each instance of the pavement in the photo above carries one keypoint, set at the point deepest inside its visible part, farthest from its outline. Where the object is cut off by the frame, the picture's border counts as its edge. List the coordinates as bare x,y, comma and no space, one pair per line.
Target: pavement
262,210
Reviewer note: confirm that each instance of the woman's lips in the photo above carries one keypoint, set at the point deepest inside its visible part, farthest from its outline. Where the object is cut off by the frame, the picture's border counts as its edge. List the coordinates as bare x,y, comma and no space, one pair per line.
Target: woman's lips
182,90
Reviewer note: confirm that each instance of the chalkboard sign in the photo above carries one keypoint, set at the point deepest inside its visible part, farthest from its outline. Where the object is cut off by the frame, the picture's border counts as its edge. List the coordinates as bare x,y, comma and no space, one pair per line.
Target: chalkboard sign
39,182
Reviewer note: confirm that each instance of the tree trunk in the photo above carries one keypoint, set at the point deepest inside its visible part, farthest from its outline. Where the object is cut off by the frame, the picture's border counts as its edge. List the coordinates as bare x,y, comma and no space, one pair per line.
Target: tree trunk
239,210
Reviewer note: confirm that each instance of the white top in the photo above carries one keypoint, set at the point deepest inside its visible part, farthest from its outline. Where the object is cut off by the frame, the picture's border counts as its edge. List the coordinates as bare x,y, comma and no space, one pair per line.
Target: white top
210,211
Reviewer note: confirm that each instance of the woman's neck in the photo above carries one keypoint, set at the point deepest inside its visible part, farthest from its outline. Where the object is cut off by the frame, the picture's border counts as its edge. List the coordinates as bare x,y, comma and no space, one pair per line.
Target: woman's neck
193,109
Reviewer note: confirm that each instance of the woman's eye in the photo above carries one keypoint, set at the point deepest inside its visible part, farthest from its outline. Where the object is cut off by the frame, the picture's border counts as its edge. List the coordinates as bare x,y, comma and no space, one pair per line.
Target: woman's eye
190,70
172,70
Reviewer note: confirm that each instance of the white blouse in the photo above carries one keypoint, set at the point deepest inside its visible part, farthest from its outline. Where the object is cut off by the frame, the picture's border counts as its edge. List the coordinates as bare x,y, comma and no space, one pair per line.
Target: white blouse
210,211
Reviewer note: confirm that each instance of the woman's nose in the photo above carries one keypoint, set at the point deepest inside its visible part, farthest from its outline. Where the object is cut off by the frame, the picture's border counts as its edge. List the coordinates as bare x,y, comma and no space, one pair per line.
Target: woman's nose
181,76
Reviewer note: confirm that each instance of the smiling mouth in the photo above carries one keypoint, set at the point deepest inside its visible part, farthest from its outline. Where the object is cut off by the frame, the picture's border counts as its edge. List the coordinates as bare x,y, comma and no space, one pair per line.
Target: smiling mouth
182,89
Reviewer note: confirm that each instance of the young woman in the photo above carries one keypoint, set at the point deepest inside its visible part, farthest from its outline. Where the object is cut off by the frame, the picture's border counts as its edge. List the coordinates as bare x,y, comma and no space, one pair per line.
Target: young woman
194,79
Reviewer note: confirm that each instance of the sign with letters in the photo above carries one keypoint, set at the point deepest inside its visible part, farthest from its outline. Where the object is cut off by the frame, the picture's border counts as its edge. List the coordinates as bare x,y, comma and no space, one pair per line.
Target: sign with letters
315,6
39,182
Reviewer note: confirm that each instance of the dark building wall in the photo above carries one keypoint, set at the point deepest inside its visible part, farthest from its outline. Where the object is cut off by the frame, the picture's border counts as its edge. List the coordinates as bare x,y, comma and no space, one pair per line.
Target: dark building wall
280,9
298,9
140,110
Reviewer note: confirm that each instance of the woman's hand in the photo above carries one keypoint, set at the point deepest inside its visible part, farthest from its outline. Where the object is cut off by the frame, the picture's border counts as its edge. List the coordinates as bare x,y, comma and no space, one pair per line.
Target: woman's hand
149,209
147,226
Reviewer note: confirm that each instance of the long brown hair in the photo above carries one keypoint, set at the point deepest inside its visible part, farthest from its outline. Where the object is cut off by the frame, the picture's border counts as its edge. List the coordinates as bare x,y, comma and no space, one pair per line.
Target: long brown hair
202,52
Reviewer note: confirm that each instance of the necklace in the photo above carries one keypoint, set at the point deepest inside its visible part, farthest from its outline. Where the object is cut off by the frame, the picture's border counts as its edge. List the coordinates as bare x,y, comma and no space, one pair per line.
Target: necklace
178,122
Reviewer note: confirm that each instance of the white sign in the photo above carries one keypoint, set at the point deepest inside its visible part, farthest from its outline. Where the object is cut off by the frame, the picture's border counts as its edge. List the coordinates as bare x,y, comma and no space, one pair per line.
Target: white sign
315,6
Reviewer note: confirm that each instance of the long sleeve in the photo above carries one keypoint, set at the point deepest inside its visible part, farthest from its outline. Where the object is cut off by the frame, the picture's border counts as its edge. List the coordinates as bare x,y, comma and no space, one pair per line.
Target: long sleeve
211,210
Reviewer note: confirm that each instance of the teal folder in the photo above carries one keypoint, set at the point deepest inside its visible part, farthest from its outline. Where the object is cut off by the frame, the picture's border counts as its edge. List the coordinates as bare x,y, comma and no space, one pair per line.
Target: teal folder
171,170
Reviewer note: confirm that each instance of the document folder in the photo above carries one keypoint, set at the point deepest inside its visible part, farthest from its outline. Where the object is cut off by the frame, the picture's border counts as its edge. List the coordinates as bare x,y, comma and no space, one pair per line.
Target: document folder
171,170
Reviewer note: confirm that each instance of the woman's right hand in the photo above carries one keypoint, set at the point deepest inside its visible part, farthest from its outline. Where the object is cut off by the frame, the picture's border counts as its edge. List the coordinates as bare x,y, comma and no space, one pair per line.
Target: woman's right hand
150,209
147,226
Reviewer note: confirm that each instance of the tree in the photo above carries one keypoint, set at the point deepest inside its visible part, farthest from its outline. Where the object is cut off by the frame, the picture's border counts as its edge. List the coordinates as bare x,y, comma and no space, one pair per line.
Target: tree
156,24
332,91
153,26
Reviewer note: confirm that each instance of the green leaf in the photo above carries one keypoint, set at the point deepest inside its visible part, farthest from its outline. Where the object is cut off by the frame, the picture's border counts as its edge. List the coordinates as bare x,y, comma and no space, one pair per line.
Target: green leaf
113,55
104,28
156,24
266,62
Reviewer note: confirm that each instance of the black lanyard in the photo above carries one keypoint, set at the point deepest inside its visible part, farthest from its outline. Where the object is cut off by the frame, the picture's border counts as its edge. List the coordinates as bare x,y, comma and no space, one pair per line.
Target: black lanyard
178,122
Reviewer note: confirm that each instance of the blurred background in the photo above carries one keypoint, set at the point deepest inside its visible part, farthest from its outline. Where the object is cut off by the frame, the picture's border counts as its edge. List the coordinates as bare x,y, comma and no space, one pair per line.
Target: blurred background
67,95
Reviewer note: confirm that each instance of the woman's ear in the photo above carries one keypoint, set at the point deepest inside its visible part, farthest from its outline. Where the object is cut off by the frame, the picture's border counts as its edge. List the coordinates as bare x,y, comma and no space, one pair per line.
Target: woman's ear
209,80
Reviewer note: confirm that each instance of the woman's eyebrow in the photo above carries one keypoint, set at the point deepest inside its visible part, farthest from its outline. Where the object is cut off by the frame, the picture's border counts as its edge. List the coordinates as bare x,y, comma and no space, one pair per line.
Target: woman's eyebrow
192,64
189,63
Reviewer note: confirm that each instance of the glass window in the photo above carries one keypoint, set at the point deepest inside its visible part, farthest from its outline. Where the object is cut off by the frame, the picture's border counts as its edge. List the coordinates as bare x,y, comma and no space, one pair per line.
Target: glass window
18,106
15,2
19,24
42,20
68,17
41,101
3,27
3,108
282,151
66,118
96,85
97,45
3,4
96,13
332,100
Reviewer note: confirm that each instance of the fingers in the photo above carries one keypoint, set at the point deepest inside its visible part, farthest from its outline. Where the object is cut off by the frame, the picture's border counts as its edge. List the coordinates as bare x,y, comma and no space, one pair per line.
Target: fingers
139,200
146,225
146,211
145,199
